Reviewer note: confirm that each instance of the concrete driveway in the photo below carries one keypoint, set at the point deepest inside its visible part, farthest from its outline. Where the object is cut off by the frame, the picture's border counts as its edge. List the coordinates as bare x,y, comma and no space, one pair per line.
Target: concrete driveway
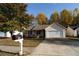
53,47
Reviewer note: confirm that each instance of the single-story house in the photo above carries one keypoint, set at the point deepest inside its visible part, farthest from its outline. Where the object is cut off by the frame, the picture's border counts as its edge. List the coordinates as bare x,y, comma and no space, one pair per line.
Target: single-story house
71,32
54,30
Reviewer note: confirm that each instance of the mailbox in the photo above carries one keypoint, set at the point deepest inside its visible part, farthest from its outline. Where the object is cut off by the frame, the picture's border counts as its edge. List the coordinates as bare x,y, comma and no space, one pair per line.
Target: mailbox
16,35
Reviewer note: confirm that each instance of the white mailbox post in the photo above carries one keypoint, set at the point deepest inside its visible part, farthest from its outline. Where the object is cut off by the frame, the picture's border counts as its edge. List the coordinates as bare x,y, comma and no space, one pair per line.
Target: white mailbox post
20,40
21,47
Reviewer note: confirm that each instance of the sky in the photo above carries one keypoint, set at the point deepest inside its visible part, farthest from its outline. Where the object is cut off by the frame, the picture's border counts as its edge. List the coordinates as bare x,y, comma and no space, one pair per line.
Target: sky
49,8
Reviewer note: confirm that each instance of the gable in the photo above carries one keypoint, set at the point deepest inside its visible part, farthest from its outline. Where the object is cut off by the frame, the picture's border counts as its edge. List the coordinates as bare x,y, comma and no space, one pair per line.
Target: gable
54,27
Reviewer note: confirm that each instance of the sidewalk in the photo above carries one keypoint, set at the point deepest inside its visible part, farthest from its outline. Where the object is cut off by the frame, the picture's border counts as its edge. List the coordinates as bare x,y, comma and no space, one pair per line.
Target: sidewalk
15,49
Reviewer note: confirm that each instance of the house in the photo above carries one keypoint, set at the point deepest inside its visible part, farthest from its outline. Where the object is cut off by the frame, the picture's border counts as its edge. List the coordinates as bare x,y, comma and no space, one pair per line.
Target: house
71,32
54,30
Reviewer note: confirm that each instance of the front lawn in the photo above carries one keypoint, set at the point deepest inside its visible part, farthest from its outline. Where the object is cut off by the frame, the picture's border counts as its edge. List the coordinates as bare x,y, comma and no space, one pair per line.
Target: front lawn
27,42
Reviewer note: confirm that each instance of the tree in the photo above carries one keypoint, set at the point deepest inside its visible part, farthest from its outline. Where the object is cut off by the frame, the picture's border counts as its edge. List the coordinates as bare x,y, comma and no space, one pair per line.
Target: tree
75,12
42,18
14,16
75,17
66,18
76,20
54,17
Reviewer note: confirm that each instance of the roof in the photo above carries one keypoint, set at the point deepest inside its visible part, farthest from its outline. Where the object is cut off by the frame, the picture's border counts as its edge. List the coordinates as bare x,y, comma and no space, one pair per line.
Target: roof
29,28
73,27
40,27
78,28
58,25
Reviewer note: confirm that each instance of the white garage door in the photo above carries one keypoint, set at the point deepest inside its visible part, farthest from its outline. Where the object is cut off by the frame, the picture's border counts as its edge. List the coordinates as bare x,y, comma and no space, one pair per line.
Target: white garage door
53,34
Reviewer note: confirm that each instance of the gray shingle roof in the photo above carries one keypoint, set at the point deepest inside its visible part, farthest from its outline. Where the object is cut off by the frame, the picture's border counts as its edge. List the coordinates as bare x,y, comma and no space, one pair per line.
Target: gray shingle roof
29,28
58,25
40,27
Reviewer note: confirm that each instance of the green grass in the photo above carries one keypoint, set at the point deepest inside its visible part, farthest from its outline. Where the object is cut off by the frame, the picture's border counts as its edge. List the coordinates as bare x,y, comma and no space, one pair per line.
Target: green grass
26,42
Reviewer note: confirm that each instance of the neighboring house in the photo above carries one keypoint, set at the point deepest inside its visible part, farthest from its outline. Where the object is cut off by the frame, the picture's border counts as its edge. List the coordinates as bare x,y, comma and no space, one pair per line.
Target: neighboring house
47,31
5,34
2,34
55,30
77,32
71,32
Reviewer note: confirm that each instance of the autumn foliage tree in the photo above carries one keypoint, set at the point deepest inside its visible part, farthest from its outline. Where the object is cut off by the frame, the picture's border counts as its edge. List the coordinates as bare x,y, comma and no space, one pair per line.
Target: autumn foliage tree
42,18
54,17
75,17
66,18
76,20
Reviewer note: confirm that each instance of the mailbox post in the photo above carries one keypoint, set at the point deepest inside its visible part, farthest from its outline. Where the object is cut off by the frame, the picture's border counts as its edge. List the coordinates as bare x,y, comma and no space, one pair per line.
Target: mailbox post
21,47
21,44
19,39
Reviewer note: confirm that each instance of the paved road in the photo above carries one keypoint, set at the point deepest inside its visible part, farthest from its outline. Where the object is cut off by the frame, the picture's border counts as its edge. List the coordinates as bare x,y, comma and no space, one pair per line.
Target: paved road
57,48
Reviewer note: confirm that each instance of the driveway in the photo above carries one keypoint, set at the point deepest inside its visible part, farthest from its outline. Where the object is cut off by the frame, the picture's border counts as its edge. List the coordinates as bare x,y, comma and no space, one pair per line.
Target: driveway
53,47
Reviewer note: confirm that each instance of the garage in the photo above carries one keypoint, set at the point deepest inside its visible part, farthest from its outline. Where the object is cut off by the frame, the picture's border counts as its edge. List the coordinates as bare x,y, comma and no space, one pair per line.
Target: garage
55,31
